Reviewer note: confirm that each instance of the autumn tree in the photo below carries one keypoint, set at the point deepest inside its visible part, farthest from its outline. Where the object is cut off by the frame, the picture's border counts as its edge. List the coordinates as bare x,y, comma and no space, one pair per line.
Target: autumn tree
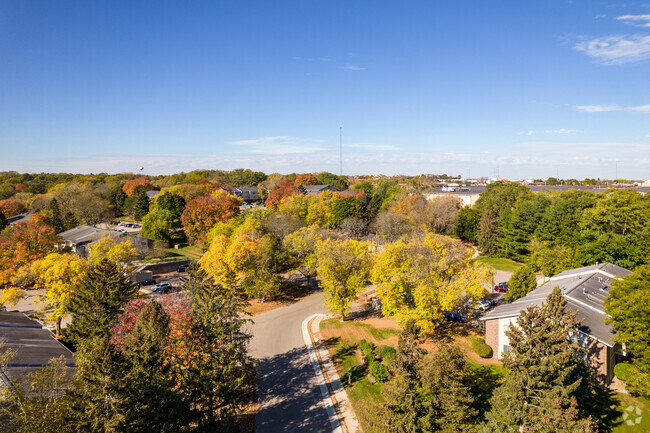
301,244
522,282
306,179
61,275
20,246
628,305
343,270
280,191
391,226
423,276
544,374
135,186
202,213
98,301
10,207
121,252
158,225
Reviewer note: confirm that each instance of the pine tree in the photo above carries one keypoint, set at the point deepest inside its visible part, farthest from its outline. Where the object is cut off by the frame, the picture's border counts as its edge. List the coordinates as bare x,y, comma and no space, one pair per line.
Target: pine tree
151,402
140,206
522,282
544,373
54,211
96,305
447,391
486,234
3,221
218,387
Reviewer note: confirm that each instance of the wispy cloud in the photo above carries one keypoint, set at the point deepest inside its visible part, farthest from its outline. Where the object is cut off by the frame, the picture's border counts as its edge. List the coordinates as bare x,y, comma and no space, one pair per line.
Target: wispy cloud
371,146
605,108
635,20
353,68
277,145
616,50
550,131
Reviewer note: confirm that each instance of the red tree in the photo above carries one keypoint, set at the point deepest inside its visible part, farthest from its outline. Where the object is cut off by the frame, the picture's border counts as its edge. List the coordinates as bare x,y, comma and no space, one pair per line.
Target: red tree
11,207
280,191
135,186
202,213
306,179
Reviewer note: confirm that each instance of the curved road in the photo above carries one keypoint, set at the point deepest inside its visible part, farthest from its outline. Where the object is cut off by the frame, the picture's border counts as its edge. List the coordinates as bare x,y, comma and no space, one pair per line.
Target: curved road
287,389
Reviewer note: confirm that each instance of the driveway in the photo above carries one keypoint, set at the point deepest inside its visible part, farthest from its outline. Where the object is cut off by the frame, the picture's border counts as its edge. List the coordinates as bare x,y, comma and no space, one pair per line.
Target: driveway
287,390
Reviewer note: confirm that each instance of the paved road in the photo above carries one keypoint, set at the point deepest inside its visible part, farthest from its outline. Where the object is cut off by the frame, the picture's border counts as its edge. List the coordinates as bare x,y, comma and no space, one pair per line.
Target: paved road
287,391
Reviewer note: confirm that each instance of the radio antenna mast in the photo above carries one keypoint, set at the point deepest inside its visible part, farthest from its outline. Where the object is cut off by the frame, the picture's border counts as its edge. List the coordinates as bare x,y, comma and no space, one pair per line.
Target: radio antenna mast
341,149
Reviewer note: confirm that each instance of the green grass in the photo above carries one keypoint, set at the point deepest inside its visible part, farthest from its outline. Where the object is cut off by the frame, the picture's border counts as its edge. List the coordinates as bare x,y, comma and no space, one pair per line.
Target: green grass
500,264
370,333
624,402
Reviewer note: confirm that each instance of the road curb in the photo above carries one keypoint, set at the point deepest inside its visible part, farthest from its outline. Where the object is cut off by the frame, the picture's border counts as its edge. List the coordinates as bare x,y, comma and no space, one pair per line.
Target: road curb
336,393
327,398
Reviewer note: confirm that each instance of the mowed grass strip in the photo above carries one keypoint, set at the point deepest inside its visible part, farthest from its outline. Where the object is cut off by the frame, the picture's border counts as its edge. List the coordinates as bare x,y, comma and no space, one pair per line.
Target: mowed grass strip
500,264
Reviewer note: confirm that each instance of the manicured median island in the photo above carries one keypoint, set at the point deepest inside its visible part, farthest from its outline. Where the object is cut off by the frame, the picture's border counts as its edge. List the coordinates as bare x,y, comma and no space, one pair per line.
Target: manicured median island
498,263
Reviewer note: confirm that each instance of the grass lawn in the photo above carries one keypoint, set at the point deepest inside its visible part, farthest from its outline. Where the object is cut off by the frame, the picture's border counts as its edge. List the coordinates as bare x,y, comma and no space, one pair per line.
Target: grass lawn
500,264
628,404
184,250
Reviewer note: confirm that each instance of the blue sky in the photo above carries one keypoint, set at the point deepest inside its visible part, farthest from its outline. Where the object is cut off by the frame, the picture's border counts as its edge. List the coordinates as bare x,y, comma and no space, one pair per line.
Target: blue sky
531,89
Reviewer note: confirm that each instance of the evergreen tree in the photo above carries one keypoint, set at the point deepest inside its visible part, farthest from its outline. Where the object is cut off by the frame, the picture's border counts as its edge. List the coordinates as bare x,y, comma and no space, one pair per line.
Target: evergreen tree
140,205
545,373
117,197
219,386
447,392
486,234
151,404
468,220
54,215
3,221
99,300
522,282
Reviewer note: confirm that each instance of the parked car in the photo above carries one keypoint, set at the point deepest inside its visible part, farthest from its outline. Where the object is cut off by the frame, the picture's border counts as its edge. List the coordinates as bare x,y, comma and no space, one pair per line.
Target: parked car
501,287
146,282
161,288
484,304
182,268
453,316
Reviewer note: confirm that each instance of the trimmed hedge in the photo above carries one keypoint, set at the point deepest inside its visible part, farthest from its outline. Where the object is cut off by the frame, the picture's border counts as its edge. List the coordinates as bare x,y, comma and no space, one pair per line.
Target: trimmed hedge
623,371
481,348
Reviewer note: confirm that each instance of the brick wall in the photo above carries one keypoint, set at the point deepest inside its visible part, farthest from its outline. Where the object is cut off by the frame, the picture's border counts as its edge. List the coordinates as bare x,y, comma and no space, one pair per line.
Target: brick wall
492,335
599,360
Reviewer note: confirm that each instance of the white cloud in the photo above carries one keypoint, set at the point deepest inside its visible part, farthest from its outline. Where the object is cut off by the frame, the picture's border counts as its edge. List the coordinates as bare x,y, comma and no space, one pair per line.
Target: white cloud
353,68
371,146
277,145
550,131
616,50
635,20
599,108
605,108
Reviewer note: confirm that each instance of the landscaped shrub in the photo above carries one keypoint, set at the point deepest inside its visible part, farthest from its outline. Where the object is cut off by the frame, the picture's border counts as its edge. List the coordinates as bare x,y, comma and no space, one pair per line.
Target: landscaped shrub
480,348
378,371
367,350
623,371
387,354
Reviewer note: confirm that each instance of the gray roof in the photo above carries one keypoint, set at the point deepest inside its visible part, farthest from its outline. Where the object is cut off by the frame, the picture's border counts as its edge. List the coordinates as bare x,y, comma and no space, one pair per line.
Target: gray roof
585,290
34,345
245,188
83,234
478,189
318,188
22,218
152,193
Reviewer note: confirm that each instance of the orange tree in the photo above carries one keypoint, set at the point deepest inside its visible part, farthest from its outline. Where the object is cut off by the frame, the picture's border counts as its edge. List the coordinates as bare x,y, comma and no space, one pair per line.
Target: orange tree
280,191
306,179
19,247
11,207
202,213
135,186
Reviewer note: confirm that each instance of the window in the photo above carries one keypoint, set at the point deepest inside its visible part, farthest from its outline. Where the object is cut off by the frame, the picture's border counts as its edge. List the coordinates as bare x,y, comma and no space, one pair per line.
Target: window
506,348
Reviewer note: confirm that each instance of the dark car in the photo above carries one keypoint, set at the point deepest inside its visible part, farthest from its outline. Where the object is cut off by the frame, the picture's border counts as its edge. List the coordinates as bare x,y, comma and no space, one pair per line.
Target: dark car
147,282
182,268
161,288
453,316
501,287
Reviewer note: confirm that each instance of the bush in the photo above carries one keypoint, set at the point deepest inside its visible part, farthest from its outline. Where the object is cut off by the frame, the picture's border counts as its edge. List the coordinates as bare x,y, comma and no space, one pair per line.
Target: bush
378,371
483,350
367,350
623,371
386,353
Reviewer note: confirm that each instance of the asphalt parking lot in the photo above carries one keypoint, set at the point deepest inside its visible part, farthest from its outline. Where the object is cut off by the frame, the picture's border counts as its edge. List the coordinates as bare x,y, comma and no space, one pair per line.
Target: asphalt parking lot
174,278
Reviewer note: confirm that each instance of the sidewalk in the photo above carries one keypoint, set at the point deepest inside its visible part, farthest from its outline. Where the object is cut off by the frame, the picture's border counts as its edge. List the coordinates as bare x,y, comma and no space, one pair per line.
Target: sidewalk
339,397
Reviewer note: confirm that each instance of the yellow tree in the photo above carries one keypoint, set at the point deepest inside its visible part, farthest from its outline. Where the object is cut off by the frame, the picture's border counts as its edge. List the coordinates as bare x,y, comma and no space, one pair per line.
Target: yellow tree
60,275
343,270
421,277
119,252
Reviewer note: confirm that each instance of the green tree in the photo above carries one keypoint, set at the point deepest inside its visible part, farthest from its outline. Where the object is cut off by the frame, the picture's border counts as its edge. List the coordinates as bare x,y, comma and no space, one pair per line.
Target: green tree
339,182
522,282
217,388
53,214
157,225
174,203
544,374
384,194
343,270
301,244
563,216
140,202
98,301
500,197
486,234
468,220
518,227
628,304
347,207
117,197
3,221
